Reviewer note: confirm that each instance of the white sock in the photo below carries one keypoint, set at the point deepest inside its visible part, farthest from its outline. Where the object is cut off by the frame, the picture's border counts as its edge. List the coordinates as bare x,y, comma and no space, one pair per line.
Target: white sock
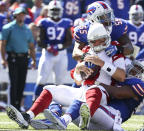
67,118
31,114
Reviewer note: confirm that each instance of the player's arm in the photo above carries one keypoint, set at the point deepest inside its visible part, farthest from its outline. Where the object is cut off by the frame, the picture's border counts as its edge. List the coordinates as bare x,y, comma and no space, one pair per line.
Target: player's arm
123,92
42,38
126,45
68,39
115,72
77,51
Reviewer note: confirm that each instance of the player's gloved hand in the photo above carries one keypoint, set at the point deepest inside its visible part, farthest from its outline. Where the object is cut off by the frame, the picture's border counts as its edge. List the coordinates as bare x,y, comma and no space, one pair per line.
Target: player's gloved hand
111,50
53,50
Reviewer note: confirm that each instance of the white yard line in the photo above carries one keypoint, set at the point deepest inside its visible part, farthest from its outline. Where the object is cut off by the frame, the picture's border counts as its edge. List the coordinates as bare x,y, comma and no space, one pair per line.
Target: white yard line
4,123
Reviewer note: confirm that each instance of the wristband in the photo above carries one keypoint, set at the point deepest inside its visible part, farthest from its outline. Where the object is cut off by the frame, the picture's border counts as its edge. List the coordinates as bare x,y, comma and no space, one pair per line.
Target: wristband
109,68
60,46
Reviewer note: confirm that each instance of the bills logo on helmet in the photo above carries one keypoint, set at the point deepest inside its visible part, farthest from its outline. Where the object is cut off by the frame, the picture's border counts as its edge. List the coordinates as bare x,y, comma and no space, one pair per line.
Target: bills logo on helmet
91,10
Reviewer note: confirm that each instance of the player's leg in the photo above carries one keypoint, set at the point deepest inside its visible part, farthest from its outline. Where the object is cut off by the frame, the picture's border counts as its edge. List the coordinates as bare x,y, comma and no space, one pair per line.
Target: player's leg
14,114
95,96
105,118
61,76
23,119
60,68
61,94
44,70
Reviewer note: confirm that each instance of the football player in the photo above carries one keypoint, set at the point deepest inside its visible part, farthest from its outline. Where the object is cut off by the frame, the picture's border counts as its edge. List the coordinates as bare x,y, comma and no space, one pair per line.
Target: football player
101,12
55,37
136,26
121,8
72,9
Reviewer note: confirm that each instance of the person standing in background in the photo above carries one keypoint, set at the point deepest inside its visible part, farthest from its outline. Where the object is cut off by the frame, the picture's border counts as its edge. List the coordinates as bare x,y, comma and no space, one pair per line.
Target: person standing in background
121,8
17,41
37,7
136,28
55,37
72,9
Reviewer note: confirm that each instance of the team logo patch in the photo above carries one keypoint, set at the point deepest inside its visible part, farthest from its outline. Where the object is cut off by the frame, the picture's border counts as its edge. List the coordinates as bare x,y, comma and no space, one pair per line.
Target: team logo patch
91,10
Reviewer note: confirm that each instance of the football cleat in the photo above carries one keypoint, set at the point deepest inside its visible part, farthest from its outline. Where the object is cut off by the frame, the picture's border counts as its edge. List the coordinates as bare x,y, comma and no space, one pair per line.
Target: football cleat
42,124
84,116
22,119
53,117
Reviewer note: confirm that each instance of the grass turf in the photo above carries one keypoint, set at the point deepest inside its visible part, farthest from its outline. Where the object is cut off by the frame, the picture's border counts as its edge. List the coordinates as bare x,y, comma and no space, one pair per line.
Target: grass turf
133,124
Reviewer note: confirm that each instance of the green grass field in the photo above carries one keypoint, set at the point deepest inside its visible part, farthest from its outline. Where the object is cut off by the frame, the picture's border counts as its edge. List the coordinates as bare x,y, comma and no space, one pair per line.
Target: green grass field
133,124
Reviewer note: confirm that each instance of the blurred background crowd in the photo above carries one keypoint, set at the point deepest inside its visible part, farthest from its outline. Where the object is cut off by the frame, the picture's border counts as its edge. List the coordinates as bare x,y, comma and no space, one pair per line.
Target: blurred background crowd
37,10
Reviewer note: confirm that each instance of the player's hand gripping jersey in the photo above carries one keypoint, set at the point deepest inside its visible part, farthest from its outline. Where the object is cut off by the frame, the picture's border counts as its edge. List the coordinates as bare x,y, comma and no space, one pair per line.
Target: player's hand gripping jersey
118,29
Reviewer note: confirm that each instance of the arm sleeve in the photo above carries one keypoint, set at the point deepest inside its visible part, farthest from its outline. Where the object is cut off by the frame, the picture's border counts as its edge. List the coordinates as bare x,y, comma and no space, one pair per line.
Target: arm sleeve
118,61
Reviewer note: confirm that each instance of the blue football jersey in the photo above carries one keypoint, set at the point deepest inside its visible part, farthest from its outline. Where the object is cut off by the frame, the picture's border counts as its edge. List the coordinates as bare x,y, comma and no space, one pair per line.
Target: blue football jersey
121,8
72,9
127,106
136,34
118,29
55,31
80,33
27,20
3,21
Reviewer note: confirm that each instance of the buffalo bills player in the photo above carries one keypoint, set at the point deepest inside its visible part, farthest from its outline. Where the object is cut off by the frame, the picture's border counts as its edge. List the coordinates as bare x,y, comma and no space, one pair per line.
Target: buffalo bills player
72,9
101,12
121,8
55,37
136,26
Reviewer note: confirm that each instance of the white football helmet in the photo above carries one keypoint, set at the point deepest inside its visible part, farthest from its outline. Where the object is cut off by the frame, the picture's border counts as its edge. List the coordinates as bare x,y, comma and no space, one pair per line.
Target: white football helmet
55,9
136,14
98,31
101,12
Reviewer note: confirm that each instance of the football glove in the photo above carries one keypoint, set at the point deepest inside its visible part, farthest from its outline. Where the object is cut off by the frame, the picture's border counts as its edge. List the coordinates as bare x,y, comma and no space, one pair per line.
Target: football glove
111,50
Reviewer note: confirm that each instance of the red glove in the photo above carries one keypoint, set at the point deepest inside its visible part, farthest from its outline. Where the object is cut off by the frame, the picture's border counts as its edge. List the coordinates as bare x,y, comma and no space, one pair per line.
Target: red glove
52,50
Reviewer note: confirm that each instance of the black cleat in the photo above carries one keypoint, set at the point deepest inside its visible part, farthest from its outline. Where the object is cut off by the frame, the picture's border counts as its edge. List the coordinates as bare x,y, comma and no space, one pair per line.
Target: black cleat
22,119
